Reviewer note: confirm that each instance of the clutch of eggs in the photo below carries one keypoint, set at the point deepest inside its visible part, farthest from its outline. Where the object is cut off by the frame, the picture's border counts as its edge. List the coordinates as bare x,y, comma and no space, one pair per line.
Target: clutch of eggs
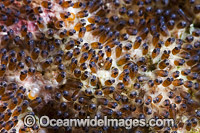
115,58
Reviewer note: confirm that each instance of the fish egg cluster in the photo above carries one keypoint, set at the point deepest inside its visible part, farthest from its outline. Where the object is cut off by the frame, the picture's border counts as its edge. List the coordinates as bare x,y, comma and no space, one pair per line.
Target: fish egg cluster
116,58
